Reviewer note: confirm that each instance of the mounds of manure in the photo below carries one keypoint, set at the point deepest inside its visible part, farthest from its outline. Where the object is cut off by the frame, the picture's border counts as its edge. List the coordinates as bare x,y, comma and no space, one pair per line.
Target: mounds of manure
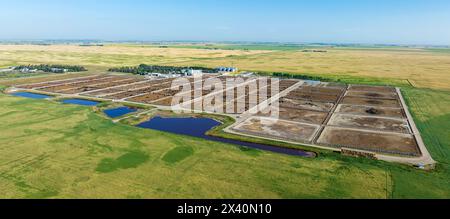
374,95
178,154
372,111
127,161
311,104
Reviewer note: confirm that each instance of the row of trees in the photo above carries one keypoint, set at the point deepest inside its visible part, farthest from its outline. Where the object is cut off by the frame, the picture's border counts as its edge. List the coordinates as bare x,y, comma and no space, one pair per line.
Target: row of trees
52,68
145,69
297,76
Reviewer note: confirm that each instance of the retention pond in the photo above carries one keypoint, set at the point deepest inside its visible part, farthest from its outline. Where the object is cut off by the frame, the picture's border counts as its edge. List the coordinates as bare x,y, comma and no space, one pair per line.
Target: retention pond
81,102
197,127
31,95
118,112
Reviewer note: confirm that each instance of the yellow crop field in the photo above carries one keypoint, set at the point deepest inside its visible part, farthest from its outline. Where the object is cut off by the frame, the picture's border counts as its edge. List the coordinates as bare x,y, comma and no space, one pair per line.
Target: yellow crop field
418,67
422,68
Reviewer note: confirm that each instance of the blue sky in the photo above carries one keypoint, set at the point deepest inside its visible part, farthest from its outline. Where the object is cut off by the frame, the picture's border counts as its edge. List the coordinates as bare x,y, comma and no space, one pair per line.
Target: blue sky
332,21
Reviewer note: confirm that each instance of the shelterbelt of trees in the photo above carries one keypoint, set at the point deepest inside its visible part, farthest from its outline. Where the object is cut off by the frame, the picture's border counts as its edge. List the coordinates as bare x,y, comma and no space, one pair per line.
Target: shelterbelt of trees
298,76
52,68
145,69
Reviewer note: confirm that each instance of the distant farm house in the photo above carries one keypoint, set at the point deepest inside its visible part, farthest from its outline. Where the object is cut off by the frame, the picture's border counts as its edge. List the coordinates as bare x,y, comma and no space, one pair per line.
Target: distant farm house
162,75
58,70
192,72
26,70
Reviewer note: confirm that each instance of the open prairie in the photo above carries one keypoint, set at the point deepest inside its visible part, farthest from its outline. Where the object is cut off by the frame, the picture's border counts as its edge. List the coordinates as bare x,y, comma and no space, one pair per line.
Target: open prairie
72,152
422,68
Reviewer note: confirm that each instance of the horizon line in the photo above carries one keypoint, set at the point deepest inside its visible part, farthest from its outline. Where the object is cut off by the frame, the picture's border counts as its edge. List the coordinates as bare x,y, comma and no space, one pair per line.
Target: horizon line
80,40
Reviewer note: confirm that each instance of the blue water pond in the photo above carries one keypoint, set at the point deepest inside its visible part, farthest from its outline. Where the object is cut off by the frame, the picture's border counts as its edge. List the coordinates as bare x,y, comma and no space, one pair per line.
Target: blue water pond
81,102
118,112
30,95
197,127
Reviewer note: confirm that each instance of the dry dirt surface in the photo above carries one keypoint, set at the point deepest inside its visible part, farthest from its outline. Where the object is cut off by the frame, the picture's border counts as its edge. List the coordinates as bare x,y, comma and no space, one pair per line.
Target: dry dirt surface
372,88
371,141
371,111
280,129
316,97
82,83
149,98
128,94
299,115
98,85
322,90
371,102
164,102
285,84
306,105
59,82
128,87
123,81
376,95
374,123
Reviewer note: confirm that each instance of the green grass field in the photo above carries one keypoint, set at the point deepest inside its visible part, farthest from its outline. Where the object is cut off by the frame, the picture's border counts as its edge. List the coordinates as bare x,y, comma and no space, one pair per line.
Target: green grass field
431,111
73,152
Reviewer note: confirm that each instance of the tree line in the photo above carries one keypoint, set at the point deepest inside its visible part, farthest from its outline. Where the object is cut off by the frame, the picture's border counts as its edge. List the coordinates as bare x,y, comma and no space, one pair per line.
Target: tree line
52,68
298,76
145,69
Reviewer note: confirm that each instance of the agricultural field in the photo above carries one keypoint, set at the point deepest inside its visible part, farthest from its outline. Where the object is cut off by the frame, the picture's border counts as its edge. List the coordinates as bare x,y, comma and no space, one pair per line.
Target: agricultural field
73,152
422,68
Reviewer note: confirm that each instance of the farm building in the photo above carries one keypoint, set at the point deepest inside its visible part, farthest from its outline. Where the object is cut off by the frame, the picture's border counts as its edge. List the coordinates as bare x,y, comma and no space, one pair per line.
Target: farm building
192,72
227,69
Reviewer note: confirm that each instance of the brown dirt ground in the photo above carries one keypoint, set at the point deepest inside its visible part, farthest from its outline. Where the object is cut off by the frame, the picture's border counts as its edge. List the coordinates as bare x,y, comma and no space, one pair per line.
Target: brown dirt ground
118,83
148,98
380,124
99,86
137,92
164,102
50,83
376,111
315,97
371,141
371,102
64,86
129,87
322,90
371,88
285,84
57,88
375,95
306,105
299,115
280,130
104,92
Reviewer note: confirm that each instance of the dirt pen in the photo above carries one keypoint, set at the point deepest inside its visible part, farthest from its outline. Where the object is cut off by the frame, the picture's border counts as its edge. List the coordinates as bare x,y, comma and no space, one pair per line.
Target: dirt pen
365,118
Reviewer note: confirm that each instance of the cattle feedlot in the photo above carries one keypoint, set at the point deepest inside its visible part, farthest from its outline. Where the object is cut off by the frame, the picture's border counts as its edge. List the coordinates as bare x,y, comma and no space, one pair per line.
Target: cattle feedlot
373,121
